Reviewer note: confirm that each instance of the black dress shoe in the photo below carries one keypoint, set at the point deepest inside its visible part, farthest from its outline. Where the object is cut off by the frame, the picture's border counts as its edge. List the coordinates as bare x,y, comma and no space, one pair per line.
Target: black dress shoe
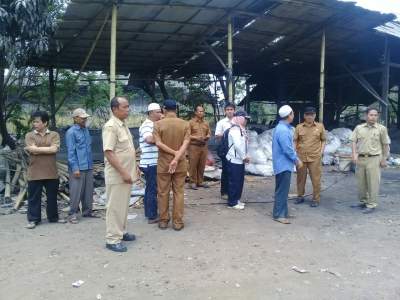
368,210
299,200
360,206
128,237
117,247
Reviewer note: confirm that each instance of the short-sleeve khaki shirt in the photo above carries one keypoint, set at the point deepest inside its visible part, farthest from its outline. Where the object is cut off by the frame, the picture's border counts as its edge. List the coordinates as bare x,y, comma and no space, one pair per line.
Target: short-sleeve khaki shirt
370,138
309,139
171,131
199,128
118,138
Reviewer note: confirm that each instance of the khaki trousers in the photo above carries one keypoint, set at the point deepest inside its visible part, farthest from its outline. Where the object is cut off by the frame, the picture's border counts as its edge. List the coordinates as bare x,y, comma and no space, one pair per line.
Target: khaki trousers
118,196
314,168
368,174
197,163
164,183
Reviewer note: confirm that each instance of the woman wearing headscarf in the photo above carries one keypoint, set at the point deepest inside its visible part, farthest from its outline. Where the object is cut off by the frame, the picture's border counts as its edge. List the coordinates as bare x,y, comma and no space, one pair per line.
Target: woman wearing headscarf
237,158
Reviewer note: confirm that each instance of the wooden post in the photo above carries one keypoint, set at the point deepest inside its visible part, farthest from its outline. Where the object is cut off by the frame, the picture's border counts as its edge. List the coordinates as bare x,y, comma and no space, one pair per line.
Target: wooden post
229,78
384,107
113,51
322,79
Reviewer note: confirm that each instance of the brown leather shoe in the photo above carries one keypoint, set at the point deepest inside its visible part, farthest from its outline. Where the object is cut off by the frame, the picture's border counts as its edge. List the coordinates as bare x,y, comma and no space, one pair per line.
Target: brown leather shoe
178,227
162,225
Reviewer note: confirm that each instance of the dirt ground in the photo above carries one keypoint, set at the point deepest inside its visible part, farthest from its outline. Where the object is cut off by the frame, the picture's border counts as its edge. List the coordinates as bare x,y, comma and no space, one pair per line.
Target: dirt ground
221,253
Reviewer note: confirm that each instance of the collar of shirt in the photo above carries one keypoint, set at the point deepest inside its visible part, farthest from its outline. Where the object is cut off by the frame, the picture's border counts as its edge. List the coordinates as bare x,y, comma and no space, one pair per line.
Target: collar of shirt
170,115
306,125
119,122
76,126
372,125
285,123
195,119
37,132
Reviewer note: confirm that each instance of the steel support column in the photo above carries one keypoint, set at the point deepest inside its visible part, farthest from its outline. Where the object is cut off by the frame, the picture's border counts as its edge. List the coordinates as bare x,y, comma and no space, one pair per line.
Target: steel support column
113,51
384,106
229,77
322,79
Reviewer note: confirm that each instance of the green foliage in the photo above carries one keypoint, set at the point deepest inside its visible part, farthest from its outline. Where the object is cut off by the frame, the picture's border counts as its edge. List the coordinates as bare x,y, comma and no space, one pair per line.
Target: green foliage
26,27
18,119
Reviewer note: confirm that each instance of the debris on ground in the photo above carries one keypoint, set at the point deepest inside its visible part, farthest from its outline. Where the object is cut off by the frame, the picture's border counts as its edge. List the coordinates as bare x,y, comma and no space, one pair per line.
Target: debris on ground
298,270
212,172
260,153
132,216
330,272
78,283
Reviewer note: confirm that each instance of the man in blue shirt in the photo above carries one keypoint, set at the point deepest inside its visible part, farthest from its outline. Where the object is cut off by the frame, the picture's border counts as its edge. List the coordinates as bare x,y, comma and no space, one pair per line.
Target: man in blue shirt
80,166
284,159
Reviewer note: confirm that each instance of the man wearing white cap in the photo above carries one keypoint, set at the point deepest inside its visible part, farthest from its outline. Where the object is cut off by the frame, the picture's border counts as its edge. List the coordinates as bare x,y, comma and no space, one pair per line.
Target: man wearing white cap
284,158
148,161
80,166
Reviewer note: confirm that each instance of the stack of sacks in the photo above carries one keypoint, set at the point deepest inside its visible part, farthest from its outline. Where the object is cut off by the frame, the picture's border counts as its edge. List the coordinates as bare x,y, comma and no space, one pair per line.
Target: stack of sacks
337,144
260,153
260,150
332,144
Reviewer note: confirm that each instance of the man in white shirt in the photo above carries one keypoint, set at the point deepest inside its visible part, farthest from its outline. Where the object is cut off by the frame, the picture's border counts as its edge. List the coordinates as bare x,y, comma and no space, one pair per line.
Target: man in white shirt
223,125
236,158
148,161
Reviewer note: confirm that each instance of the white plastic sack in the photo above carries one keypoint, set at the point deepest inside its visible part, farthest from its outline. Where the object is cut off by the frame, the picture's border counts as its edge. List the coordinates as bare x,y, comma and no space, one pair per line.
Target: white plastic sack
253,135
332,143
265,142
260,169
328,159
343,134
257,156
344,150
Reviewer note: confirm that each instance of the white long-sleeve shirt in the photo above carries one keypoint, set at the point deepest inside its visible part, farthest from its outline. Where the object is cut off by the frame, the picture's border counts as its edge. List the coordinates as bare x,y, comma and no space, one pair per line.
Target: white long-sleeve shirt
238,146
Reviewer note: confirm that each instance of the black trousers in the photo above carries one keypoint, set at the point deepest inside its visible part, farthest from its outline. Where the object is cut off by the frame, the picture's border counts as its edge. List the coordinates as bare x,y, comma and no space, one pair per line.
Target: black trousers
224,177
35,188
236,182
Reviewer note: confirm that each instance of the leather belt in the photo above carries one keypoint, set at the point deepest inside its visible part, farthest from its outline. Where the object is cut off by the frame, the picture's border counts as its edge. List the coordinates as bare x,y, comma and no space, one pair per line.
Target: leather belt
367,155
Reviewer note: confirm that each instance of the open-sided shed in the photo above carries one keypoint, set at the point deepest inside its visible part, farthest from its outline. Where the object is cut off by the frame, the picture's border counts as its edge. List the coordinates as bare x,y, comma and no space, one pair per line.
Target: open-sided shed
277,43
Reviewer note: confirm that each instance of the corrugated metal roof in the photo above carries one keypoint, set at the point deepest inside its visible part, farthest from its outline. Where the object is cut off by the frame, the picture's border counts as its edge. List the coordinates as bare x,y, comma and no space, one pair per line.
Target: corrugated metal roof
392,28
166,36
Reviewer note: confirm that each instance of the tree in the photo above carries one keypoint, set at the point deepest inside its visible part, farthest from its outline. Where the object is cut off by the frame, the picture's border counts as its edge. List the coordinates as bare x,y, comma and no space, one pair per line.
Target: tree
26,27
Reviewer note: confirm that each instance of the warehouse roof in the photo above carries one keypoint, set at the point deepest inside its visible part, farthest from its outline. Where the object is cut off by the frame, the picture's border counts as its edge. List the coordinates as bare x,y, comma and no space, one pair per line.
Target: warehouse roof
168,36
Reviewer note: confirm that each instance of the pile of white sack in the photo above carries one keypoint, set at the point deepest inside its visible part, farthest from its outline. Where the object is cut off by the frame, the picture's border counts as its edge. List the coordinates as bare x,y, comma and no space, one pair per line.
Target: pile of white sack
338,144
260,153
260,150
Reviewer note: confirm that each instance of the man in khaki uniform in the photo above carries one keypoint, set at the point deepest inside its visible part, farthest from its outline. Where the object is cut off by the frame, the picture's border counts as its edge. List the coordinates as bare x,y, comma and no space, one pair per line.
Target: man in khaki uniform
172,136
198,148
120,173
310,140
370,151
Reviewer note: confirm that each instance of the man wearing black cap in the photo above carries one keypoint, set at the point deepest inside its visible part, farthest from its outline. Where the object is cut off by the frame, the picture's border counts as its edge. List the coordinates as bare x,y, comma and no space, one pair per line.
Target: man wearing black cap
309,139
172,137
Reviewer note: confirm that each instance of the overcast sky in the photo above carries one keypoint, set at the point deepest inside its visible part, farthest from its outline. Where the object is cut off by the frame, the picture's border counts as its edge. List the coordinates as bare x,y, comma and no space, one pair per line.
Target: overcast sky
387,6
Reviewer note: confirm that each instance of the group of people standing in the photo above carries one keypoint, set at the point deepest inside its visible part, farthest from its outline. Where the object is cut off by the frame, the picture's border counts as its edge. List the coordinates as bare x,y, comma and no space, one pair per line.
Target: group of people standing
164,140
